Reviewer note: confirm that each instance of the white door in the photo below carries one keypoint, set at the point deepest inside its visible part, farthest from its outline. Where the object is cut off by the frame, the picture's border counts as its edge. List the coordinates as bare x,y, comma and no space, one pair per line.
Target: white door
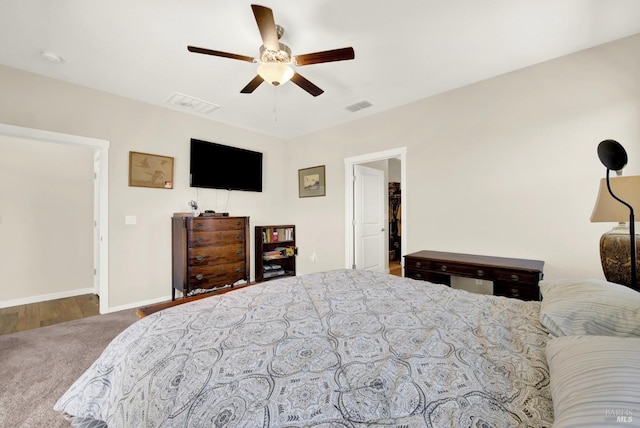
369,218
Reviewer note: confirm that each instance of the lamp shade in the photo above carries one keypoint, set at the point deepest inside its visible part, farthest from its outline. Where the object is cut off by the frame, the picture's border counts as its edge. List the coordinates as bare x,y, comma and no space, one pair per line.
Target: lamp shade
275,73
607,209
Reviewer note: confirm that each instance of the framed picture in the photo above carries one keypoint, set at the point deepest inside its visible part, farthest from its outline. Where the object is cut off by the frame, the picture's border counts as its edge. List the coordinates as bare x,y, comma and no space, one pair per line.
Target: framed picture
311,182
147,170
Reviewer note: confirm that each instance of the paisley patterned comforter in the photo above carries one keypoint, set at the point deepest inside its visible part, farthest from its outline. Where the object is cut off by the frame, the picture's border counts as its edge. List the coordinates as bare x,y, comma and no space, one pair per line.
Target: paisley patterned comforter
344,348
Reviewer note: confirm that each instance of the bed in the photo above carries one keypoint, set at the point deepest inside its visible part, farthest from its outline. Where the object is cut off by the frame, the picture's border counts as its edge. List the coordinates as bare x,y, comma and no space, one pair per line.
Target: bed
343,348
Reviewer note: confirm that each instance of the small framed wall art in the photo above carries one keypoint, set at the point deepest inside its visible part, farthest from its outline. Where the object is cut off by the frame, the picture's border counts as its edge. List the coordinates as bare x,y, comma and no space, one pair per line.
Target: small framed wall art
147,170
311,182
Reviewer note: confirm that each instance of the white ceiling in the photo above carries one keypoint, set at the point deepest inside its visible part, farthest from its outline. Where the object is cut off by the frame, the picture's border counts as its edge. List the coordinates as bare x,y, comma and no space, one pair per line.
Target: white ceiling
404,50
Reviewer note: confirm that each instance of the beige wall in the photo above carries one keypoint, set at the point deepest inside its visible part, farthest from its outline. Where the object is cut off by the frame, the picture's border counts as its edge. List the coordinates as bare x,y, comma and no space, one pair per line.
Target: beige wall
505,167
46,232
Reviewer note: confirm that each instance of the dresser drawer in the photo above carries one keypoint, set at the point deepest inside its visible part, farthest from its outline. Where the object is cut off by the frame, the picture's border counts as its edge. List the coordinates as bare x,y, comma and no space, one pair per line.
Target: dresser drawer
207,239
201,256
215,276
209,224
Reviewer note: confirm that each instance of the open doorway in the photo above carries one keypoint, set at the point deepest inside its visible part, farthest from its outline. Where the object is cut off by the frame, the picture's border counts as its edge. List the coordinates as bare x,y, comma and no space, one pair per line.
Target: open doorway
100,147
353,197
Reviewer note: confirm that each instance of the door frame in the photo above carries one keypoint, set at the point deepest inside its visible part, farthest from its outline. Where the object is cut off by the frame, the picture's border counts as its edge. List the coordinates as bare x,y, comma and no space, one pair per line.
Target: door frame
399,153
100,195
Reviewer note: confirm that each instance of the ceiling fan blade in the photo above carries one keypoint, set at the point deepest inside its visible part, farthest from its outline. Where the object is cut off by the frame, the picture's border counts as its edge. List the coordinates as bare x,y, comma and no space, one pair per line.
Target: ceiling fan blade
220,53
306,85
251,86
267,26
324,56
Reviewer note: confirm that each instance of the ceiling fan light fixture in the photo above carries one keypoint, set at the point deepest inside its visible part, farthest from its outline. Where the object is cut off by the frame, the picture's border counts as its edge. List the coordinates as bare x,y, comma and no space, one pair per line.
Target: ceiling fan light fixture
275,73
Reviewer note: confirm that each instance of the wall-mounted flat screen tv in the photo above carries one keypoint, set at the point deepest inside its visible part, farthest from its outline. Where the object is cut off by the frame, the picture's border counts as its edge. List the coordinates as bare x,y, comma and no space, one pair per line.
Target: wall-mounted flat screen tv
217,166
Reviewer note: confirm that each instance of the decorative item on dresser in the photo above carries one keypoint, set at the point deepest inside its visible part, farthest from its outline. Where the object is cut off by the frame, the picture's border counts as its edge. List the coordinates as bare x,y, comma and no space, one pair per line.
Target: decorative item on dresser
511,277
276,252
208,252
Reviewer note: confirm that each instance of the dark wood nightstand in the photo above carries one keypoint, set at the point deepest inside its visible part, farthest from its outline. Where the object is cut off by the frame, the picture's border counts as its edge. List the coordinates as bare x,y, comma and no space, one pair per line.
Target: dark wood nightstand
511,277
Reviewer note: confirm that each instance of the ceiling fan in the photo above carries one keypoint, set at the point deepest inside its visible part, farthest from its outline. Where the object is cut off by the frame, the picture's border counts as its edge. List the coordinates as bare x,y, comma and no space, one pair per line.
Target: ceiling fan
275,58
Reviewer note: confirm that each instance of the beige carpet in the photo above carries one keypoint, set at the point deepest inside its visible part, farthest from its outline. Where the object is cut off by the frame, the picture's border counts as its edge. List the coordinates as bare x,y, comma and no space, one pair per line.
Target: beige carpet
37,366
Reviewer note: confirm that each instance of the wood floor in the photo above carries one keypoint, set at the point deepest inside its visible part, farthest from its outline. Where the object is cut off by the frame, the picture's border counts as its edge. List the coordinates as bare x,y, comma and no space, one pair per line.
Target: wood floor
41,314
395,268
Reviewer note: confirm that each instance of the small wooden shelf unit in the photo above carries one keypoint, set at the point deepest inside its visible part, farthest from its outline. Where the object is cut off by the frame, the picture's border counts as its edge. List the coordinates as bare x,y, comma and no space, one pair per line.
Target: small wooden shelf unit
276,252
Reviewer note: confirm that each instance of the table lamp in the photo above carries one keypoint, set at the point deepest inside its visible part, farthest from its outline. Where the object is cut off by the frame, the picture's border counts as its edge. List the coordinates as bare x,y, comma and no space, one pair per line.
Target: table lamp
618,197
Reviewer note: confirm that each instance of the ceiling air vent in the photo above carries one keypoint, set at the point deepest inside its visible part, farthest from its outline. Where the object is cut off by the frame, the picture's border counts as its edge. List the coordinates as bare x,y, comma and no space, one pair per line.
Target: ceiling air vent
358,106
192,103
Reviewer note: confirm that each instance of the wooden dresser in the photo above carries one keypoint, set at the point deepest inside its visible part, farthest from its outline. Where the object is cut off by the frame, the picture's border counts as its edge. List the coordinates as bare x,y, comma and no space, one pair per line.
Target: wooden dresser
511,277
208,252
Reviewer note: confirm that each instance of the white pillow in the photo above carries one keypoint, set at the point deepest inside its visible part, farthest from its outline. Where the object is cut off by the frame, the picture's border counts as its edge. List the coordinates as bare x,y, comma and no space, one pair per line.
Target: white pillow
595,381
589,307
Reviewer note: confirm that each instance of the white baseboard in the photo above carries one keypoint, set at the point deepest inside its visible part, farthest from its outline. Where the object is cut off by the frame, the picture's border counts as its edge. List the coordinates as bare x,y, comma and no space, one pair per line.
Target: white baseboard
44,297
139,304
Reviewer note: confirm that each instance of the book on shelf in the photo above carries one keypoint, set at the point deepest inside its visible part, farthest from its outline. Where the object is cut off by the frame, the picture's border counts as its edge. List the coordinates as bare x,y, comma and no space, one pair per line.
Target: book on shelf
277,234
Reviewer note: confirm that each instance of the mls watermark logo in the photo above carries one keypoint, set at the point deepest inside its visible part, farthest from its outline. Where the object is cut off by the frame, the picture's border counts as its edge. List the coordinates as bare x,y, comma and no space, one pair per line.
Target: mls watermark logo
619,415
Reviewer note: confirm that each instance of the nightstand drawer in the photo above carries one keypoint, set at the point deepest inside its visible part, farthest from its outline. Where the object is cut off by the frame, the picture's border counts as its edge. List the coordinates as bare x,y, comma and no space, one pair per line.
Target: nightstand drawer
425,275
462,270
417,264
516,276
523,292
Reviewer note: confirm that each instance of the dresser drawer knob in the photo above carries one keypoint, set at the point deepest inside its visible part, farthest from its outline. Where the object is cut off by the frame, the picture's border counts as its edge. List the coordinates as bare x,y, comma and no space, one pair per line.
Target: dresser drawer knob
238,252
199,257
199,225
199,277
443,268
418,276
199,239
515,277
239,270
480,272
238,237
239,223
515,292
418,264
